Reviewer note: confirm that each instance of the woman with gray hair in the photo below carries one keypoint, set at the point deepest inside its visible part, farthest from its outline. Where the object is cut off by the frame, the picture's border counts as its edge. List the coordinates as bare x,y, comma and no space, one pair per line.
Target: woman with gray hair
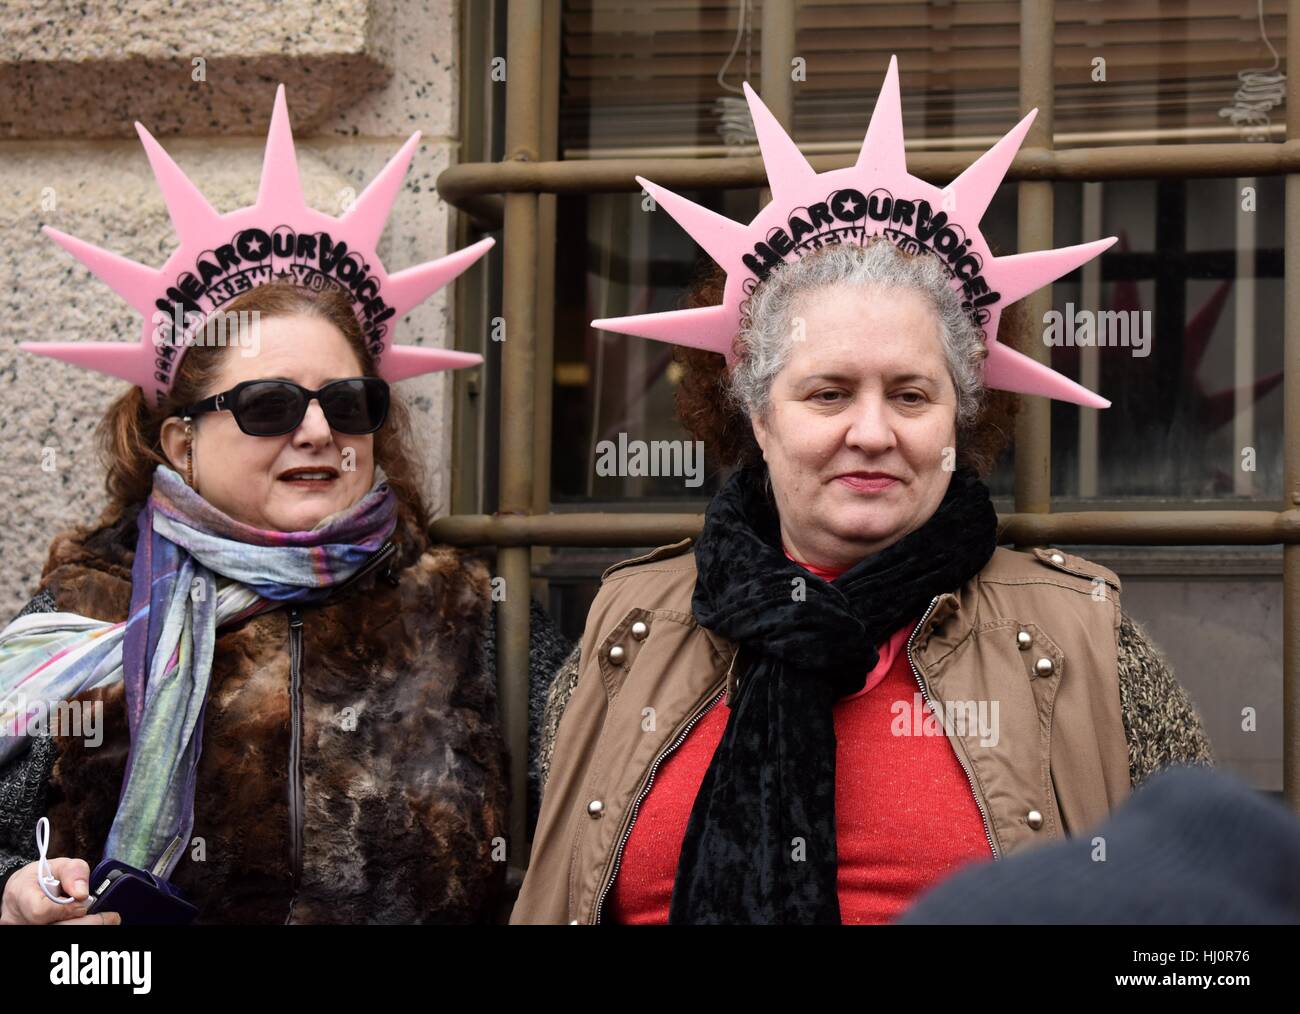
972,700
844,689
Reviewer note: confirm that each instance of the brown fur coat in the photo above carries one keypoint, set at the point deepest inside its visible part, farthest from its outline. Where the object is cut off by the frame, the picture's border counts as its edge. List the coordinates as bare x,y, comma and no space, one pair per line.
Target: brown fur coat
403,761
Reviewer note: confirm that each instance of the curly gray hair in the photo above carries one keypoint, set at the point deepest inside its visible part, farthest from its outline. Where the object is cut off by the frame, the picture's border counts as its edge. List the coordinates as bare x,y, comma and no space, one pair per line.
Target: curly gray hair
765,334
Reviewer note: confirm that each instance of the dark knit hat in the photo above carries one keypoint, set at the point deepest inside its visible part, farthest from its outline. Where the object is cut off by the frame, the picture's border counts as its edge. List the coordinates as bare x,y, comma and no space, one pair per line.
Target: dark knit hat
1193,845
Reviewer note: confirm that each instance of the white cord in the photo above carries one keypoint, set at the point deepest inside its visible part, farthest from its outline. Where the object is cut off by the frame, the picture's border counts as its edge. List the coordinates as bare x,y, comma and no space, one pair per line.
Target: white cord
734,124
1261,89
44,875
743,28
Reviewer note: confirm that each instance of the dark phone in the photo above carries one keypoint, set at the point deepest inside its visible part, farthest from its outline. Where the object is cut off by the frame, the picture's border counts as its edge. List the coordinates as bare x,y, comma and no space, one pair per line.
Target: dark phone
137,896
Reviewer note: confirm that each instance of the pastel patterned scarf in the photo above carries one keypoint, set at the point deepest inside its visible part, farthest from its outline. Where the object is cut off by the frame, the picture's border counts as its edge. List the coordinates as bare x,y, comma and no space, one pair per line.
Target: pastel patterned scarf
196,569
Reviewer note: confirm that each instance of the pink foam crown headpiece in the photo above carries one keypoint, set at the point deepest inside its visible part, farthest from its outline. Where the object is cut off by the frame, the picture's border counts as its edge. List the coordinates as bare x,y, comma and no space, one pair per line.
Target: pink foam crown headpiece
875,196
278,237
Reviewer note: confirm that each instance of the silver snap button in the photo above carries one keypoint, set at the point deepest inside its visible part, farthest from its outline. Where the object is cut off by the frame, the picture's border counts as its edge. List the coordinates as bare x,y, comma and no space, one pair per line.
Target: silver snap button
595,808
1023,640
1058,559
639,630
1034,819
1043,667
616,654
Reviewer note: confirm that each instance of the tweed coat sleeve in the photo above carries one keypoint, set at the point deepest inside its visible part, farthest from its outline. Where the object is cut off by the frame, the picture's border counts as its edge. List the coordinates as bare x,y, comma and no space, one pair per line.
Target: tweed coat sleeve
1161,723
557,697
547,650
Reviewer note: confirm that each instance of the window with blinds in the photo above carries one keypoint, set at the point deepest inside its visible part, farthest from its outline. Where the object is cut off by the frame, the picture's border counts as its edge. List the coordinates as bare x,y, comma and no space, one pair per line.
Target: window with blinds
644,77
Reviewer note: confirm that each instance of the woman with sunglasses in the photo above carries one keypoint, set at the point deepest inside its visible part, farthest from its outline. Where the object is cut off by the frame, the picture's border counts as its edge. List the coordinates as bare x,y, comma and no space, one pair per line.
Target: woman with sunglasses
288,690
352,768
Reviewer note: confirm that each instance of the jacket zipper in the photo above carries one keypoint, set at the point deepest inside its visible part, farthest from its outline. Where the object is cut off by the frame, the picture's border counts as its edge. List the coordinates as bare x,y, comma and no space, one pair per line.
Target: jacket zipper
381,554
636,805
925,693
296,805
295,745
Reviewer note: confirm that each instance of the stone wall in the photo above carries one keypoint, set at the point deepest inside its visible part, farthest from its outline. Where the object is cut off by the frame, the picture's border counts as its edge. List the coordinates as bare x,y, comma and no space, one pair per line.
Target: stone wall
360,76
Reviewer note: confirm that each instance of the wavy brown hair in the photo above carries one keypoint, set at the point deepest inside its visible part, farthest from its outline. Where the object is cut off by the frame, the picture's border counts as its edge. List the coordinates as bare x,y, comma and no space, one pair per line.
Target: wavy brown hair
709,412
128,436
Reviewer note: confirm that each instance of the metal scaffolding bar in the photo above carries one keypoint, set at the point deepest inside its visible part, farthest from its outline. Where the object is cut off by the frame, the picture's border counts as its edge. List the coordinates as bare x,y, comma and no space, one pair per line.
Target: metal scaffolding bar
1083,528
1291,396
518,365
777,44
1033,445
471,186
544,355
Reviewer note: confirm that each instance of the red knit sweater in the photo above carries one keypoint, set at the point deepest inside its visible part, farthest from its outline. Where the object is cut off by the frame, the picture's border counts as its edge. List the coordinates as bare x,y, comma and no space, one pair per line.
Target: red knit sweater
905,816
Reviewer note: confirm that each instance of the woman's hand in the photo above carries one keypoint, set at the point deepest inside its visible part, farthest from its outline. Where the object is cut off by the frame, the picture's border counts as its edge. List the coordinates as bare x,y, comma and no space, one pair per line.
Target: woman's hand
24,902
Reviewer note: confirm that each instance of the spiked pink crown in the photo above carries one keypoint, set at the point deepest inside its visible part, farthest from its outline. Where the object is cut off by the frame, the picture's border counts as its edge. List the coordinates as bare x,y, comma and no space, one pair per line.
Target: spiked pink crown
875,196
279,237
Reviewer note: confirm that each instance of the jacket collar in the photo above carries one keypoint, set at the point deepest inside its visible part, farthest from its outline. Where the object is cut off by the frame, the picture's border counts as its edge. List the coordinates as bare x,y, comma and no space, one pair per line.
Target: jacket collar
947,621
942,628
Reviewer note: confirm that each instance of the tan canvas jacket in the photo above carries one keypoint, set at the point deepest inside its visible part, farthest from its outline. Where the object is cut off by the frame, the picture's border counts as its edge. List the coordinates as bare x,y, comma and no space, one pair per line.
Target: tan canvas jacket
1036,632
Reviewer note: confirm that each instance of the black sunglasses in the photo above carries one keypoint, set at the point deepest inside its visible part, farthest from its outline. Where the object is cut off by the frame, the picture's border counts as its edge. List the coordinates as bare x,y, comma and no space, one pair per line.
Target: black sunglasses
272,408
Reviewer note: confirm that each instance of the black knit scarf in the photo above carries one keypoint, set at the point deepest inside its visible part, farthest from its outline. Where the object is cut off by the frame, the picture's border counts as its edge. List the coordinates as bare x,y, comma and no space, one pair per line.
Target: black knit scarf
760,842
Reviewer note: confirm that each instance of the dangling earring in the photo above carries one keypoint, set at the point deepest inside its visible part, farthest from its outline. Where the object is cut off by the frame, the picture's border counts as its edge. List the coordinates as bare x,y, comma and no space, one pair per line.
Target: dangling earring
189,451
